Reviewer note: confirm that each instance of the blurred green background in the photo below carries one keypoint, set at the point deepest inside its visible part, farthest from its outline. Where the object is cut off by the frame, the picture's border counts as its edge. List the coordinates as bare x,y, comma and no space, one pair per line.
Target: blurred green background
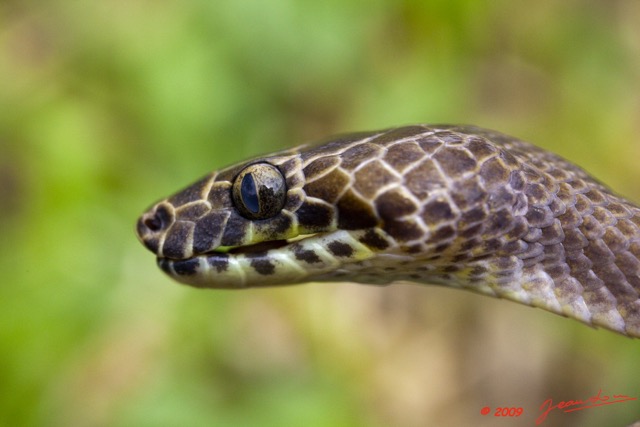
107,106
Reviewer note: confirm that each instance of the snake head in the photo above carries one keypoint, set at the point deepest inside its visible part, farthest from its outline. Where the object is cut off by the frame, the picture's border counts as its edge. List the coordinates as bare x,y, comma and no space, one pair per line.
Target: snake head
284,218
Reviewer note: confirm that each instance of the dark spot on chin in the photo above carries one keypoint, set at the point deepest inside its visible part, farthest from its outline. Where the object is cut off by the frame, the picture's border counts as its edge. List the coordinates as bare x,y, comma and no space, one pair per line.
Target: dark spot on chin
219,261
186,267
340,249
307,255
263,266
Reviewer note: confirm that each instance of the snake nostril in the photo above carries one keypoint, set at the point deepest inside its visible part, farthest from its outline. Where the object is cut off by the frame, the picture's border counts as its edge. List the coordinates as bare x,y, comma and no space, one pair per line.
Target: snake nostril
159,219
153,223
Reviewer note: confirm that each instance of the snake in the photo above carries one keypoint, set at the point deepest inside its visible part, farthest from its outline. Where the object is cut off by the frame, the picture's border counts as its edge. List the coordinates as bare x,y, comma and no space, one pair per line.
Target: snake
451,205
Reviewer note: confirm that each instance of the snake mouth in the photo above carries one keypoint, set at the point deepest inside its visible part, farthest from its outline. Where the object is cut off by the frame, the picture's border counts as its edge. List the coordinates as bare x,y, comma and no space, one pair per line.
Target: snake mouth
254,248
259,247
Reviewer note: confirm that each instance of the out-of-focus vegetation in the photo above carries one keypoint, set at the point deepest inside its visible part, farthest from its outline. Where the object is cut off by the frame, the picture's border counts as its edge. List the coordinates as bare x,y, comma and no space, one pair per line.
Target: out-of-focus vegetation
107,106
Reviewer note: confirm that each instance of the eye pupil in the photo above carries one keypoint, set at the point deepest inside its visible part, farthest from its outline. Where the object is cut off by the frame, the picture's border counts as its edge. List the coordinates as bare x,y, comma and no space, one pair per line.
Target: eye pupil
249,193
259,191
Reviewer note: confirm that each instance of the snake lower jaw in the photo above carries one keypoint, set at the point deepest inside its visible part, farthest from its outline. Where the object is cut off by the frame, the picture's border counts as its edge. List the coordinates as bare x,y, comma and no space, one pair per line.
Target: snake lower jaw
260,246
270,263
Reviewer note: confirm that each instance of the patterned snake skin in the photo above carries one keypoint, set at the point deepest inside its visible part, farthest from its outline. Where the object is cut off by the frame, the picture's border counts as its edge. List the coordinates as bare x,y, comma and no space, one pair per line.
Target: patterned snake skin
458,206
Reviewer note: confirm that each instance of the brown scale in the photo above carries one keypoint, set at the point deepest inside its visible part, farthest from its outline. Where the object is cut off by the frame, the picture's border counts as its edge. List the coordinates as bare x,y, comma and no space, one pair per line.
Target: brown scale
448,205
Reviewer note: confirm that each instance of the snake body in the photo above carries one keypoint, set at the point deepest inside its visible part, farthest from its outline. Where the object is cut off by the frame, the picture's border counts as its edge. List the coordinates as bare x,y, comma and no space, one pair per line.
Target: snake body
458,206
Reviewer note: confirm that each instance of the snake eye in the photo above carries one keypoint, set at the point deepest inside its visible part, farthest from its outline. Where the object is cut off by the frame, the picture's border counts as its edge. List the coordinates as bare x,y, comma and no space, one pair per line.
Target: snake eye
259,191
